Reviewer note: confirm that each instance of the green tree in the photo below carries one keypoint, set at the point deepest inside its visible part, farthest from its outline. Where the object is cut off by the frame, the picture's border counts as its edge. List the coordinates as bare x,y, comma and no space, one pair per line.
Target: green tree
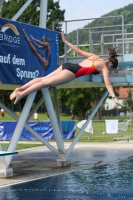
75,99
81,99
32,13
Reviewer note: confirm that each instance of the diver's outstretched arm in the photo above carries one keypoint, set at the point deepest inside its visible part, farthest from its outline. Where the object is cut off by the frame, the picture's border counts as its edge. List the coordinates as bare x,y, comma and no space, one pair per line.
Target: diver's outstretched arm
76,49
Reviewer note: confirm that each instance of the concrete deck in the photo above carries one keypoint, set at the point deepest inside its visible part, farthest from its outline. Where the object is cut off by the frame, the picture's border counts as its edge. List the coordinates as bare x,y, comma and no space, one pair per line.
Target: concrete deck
34,163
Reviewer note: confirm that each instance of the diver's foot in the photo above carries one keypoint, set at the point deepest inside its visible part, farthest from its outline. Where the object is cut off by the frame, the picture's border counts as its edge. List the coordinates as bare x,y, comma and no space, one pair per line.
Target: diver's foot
13,96
14,93
18,97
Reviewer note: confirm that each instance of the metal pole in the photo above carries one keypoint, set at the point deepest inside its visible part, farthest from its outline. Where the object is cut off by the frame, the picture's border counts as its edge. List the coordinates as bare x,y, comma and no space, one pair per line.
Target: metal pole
57,109
43,13
53,121
65,44
77,37
87,122
21,10
113,39
20,125
1,3
91,42
122,36
102,44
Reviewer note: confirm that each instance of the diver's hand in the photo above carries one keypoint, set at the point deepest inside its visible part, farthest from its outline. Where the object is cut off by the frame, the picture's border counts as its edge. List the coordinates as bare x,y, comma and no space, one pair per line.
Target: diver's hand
63,37
117,102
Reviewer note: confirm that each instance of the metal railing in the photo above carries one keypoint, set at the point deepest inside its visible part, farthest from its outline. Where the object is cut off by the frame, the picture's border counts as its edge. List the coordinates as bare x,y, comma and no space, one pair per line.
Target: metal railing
75,26
120,35
99,131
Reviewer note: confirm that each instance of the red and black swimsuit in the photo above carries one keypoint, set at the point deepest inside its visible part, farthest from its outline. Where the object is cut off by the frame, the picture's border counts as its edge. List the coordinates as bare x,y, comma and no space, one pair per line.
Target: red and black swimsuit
81,71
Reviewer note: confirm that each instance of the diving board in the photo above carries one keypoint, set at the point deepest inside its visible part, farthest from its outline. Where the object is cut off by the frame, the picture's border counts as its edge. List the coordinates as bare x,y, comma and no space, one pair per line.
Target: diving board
7,153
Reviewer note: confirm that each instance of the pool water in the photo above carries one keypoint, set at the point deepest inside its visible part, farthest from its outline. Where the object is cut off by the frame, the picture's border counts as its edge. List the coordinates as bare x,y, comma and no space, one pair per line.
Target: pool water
113,181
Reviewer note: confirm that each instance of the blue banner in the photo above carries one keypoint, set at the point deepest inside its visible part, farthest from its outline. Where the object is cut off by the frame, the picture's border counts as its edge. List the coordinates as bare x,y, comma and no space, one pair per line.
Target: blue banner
26,52
44,129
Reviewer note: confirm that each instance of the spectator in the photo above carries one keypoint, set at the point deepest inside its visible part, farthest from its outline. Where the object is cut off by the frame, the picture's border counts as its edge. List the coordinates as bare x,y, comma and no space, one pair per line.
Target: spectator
2,112
88,114
72,115
36,116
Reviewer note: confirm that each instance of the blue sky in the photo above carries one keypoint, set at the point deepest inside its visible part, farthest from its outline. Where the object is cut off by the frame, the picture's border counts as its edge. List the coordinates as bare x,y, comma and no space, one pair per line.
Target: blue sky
84,9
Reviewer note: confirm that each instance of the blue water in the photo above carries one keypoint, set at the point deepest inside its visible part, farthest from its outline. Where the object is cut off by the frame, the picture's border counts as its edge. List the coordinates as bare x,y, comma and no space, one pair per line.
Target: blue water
107,182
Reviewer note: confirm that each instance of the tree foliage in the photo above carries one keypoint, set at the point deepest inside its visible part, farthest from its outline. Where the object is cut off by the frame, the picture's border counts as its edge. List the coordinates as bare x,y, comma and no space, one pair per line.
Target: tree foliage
80,99
32,13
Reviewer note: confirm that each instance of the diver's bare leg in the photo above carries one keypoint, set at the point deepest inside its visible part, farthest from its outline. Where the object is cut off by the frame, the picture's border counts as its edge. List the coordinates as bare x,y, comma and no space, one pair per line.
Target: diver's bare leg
14,93
63,77
36,80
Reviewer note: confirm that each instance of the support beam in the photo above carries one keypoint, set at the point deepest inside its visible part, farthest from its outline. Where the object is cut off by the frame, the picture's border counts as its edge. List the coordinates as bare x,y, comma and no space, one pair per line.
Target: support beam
87,122
1,3
20,126
22,10
43,13
57,109
54,123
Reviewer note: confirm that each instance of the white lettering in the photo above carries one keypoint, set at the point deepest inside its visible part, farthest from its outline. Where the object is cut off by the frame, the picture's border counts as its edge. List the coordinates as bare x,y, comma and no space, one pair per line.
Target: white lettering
26,74
18,61
1,59
1,36
5,37
9,38
5,59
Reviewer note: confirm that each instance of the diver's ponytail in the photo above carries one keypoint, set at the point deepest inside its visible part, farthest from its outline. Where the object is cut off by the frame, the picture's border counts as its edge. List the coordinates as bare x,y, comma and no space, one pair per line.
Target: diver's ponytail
112,56
112,51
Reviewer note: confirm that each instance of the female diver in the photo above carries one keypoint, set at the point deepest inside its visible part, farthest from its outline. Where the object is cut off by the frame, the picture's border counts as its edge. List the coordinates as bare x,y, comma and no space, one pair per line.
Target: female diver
93,64
42,45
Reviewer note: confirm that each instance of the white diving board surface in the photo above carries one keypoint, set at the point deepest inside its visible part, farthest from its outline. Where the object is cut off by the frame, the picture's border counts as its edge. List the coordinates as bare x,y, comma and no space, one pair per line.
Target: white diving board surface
7,153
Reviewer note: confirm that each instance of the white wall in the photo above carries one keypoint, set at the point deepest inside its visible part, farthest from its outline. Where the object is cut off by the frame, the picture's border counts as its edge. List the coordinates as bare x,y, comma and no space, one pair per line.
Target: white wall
111,104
